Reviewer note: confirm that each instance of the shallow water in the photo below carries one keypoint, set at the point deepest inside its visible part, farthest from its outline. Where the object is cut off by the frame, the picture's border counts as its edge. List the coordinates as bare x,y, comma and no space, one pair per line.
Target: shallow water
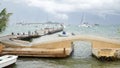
80,58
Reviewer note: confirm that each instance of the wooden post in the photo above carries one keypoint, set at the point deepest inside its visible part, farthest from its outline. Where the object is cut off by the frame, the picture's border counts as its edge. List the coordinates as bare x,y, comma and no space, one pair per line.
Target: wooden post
64,51
12,33
23,33
18,33
29,33
1,47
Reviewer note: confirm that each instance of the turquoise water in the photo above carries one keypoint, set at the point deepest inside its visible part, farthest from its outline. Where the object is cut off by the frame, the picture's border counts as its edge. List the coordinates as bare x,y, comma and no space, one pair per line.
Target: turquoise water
80,58
110,31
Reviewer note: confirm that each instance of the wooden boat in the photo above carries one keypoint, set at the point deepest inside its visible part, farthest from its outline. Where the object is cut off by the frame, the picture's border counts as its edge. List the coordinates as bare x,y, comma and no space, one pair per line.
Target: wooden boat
7,60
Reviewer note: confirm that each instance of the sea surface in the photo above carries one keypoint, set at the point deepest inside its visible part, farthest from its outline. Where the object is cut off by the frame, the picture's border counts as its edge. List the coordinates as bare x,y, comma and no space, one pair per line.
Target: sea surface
80,58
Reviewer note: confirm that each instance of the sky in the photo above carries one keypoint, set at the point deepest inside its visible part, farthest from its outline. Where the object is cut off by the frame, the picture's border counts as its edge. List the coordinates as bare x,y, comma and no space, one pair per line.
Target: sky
63,11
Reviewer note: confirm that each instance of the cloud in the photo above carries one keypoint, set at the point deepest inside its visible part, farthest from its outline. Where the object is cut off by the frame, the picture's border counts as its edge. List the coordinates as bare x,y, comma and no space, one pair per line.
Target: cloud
60,8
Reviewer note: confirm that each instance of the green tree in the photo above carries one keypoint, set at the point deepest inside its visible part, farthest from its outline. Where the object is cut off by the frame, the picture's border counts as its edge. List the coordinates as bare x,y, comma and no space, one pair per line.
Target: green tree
4,18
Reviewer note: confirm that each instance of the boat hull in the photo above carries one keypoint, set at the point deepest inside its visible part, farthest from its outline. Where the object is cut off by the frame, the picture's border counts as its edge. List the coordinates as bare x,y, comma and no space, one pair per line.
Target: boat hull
7,60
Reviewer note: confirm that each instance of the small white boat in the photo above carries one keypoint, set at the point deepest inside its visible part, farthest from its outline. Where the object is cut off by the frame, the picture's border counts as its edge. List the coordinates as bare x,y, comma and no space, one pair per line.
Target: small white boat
7,60
85,25
63,34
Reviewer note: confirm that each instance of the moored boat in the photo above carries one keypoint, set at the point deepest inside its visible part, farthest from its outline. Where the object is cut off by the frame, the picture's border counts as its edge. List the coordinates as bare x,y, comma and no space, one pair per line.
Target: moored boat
7,60
63,34
85,25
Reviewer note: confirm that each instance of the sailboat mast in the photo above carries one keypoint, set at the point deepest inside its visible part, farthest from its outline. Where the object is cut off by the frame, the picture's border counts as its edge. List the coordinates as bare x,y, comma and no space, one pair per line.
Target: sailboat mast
82,19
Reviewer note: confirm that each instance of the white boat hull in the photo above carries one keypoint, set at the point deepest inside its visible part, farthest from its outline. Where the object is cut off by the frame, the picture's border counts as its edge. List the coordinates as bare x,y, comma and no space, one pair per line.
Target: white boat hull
63,35
7,60
84,25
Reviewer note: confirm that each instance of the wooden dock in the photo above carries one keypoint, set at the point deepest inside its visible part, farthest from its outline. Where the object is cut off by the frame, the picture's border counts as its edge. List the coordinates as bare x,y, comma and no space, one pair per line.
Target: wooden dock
16,45
43,50
36,52
1,48
61,47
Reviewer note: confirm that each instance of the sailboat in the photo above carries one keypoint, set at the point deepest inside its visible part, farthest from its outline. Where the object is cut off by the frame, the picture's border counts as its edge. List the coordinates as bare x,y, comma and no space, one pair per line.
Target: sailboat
84,24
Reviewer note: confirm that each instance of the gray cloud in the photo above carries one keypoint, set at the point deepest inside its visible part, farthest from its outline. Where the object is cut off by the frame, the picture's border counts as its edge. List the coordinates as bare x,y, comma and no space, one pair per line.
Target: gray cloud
60,8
